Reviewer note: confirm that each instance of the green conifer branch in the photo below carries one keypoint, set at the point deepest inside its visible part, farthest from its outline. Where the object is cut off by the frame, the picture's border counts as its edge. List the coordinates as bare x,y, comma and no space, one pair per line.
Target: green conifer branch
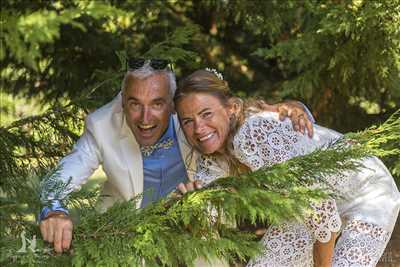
202,223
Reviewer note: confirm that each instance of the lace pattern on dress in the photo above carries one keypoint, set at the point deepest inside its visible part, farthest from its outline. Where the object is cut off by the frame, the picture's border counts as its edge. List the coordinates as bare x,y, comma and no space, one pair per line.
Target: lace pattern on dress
263,140
289,244
361,244
324,220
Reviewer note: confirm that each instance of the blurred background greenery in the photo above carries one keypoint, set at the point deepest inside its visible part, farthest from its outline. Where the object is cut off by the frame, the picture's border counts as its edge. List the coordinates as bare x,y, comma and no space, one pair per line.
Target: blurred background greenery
339,57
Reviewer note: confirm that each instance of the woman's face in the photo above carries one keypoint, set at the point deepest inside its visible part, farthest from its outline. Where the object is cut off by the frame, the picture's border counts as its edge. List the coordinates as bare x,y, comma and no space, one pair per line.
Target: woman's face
205,121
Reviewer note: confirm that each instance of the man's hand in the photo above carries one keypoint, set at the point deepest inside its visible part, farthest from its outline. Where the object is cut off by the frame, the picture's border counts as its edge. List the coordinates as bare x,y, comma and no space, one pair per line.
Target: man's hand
57,228
293,110
296,113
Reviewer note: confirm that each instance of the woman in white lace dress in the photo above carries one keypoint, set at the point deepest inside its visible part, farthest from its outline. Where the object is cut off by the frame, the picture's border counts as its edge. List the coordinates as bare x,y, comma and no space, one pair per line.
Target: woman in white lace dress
231,141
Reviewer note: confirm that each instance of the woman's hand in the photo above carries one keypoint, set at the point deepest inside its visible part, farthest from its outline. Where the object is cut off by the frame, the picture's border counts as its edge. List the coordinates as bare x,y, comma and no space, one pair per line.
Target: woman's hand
188,187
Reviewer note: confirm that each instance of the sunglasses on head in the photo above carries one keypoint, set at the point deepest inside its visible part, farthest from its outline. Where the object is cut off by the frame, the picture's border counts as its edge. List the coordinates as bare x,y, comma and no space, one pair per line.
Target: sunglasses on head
155,63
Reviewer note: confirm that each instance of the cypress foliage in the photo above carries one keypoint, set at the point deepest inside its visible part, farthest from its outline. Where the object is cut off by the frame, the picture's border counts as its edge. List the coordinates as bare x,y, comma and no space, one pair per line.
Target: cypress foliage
176,231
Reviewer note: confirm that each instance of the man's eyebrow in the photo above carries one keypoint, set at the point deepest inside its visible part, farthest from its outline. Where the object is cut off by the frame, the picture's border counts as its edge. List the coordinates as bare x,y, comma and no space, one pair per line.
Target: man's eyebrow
132,98
158,99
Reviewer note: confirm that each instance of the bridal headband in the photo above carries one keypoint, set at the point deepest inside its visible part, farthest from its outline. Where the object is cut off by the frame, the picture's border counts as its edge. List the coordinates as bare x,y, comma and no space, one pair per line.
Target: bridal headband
218,74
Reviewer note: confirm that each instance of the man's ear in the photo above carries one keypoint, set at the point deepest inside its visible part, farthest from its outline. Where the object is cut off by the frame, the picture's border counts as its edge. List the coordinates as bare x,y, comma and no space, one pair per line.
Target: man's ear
122,99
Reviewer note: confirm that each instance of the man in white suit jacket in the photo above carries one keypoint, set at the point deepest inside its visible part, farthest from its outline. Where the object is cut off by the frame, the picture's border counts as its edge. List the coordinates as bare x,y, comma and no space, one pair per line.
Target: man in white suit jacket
122,136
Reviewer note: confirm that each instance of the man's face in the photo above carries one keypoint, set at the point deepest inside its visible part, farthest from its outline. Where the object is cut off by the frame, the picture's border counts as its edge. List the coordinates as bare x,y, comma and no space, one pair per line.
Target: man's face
147,106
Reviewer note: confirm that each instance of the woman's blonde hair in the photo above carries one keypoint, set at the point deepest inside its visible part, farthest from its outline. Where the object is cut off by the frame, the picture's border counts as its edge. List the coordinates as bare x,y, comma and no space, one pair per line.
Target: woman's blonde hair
206,82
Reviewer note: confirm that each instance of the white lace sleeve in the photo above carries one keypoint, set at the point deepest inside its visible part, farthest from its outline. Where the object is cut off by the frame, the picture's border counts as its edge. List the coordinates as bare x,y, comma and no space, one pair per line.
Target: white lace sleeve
207,169
264,140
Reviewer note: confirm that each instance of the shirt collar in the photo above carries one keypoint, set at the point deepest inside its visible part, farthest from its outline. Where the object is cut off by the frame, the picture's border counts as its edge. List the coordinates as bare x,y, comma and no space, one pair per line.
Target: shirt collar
166,141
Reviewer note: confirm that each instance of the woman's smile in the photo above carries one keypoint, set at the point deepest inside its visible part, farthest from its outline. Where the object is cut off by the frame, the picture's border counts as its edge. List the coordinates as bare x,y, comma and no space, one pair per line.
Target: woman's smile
206,137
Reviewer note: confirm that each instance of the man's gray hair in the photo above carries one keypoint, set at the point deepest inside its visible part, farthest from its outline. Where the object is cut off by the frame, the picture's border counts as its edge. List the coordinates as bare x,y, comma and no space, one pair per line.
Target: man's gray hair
145,71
